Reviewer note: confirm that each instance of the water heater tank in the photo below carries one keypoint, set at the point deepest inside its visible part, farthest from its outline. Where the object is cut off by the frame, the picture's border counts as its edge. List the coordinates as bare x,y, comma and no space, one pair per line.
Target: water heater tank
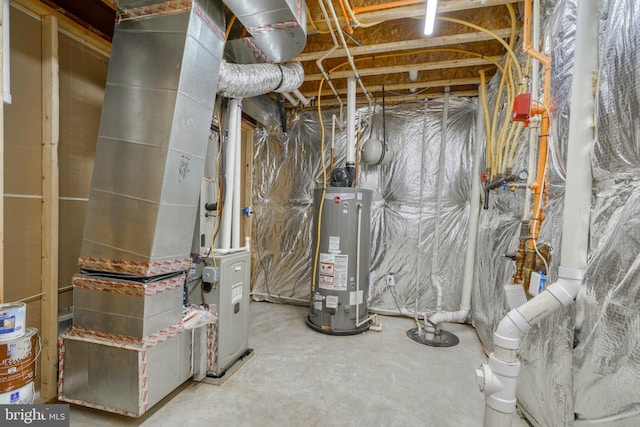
341,264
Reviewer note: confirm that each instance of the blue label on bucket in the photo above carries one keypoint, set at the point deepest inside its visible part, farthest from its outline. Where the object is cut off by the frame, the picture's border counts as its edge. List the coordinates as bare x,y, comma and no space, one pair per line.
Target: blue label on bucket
7,324
15,397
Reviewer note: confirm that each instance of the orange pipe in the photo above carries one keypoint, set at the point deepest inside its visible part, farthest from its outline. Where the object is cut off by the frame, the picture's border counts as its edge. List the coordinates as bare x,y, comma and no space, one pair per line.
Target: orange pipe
347,27
539,186
385,6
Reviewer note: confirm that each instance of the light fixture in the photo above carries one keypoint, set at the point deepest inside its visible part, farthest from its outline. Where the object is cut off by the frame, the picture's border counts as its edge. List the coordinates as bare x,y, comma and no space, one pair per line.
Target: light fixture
430,17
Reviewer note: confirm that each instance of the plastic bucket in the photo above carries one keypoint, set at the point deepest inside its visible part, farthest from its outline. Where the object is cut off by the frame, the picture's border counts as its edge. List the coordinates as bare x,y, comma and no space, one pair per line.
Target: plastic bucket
22,396
18,361
12,320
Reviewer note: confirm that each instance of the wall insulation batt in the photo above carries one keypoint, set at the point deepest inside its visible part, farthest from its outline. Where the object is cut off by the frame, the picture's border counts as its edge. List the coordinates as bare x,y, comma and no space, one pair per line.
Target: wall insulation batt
582,364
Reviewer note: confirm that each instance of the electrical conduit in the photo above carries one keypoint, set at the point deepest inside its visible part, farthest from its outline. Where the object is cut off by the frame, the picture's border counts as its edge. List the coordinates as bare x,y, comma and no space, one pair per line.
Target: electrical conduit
499,377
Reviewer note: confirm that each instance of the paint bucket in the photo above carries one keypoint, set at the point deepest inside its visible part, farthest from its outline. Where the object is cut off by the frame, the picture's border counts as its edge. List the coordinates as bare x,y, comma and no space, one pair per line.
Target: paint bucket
12,320
22,396
18,361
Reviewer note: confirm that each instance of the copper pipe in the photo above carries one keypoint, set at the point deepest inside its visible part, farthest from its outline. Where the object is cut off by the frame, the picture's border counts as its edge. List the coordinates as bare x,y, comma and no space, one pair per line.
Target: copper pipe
385,6
540,183
521,251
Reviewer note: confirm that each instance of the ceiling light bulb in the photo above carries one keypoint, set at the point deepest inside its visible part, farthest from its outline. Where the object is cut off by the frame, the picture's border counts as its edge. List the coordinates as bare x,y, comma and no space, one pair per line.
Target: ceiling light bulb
430,17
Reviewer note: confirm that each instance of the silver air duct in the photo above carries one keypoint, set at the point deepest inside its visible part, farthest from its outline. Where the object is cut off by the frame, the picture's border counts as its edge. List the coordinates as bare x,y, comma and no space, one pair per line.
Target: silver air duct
247,80
152,142
278,27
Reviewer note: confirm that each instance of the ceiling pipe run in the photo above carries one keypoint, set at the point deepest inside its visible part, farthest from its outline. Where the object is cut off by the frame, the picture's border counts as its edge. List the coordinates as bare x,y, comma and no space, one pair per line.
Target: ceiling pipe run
498,379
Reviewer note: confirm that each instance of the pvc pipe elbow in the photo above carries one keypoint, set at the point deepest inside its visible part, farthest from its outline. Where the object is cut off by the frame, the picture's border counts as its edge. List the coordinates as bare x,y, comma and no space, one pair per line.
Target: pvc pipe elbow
510,329
449,316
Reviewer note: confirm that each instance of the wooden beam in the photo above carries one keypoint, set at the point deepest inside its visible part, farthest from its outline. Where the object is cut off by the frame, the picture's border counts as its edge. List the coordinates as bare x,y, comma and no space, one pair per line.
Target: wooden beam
66,25
2,53
247,177
425,43
404,86
50,212
436,65
412,11
399,99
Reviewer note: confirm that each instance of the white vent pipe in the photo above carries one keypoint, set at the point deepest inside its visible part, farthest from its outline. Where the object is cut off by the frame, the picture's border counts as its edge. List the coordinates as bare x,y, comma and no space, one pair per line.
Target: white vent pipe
235,111
235,211
470,252
498,379
351,116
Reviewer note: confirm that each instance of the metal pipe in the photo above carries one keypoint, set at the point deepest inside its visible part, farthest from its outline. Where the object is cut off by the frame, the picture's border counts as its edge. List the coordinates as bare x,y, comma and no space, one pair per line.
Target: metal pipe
470,252
501,400
229,175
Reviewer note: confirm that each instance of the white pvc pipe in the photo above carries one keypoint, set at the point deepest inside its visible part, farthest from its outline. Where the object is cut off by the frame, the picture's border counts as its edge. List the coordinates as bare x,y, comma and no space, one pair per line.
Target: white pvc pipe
245,248
329,52
501,401
470,252
235,212
435,260
301,97
291,99
229,175
351,116
348,52
6,53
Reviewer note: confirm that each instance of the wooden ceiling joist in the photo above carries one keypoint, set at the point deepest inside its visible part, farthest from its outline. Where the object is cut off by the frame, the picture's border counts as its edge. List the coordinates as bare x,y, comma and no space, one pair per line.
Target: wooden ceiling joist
425,43
392,69
332,102
404,86
404,12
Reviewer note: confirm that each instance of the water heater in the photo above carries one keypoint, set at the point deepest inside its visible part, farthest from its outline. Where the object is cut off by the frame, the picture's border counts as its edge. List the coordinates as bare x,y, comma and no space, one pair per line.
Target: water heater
340,279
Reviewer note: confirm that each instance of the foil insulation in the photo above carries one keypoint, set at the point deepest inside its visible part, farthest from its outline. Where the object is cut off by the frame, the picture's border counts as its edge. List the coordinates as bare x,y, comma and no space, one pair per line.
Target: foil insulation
248,80
580,369
288,167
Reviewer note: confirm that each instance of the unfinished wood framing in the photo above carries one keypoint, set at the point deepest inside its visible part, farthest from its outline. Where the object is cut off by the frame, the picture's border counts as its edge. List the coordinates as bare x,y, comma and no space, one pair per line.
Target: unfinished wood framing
247,177
1,159
392,69
405,45
50,213
331,102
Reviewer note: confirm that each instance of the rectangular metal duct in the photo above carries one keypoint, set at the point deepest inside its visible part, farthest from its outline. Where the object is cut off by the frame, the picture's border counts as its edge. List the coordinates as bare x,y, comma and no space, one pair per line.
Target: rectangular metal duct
153,135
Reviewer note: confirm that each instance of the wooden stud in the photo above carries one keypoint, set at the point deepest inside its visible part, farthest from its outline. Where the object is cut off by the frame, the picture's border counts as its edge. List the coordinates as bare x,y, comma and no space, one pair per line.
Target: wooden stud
247,177
2,53
50,212
437,65
425,43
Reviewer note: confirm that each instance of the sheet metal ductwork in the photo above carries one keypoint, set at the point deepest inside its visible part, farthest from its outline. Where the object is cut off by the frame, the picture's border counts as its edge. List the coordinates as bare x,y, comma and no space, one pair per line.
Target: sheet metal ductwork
159,97
278,27
247,80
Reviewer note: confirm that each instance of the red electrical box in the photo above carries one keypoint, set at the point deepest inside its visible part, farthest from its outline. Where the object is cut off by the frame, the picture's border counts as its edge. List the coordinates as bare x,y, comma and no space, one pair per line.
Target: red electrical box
521,108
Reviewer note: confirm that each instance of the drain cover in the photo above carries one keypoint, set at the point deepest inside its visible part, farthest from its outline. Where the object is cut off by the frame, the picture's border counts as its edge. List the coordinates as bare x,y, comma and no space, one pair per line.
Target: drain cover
439,339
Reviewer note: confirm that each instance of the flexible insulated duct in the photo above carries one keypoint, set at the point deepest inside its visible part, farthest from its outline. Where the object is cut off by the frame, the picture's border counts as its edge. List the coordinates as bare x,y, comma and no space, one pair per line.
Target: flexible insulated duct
248,80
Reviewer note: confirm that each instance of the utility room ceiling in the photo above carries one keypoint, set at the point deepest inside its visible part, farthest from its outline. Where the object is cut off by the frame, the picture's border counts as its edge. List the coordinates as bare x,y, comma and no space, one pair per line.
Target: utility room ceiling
386,41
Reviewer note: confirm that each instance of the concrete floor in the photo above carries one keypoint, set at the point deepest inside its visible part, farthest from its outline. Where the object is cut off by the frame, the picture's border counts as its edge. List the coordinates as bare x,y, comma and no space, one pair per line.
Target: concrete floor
299,377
